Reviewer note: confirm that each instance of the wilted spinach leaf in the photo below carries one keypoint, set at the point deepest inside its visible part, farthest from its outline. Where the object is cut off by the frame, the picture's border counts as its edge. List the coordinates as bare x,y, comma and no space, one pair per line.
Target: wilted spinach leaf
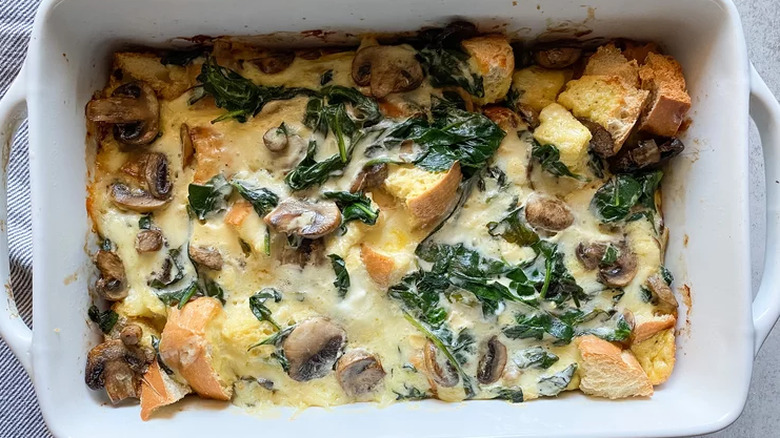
622,193
105,320
534,357
511,395
259,309
326,77
181,296
446,63
145,222
411,393
553,385
514,229
342,276
354,206
262,199
620,332
167,277
309,172
667,275
209,197
550,158
535,325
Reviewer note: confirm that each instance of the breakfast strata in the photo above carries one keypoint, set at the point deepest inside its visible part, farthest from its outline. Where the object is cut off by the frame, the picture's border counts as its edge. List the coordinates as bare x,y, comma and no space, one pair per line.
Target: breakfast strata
447,216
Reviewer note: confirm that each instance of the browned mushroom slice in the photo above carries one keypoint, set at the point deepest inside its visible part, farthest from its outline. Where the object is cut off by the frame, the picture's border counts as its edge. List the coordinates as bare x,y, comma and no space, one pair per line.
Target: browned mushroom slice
546,213
491,365
369,178
111,284
387,69
156,175
646,154
663,296
308,251
446,375
207,257
148,241
134,199
134,111
359,372
504,117
601,142
557,57
117,368
131,335
274,62
590,255
275,139
313,347
622,271
306,219
187,148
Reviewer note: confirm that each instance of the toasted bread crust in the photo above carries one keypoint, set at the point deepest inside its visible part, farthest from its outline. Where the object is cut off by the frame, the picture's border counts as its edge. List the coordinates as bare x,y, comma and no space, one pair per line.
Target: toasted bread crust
158,390
210,153
669,99
647,329
434,202
185,349
607,371
494,59
238,213
379,266
609,61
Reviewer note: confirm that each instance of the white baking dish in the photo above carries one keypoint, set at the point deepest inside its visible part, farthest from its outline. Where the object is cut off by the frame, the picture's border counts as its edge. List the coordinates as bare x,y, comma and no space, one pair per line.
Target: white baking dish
705,199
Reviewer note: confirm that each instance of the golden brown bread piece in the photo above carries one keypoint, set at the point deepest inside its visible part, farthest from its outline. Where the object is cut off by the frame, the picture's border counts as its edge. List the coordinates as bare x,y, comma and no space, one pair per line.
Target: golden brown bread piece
650,327
379,266
185,348
210,152
656,355
427,195
669,101
607,371
609,61
158,390
493,59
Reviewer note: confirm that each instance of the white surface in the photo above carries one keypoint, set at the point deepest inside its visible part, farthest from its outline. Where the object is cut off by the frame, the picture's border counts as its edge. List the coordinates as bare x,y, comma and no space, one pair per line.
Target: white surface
716,258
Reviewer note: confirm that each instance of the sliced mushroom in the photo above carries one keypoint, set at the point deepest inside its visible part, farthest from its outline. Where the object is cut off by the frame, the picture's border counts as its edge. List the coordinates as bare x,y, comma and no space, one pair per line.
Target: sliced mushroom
134,111
206,257
666,301
445,376
549,214
156,175
529,115
557,57
134,199
148,241
601,141
590,255
274,62
491,365
131,335
313,347
359,372
306,219
387,69
504,117
187,148
308,251
117,368
111,284
369,178
647,154
620,273
275,139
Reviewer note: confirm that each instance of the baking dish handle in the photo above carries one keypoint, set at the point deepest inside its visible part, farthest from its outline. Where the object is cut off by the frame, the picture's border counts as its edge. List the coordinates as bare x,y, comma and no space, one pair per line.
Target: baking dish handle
13,110
765,112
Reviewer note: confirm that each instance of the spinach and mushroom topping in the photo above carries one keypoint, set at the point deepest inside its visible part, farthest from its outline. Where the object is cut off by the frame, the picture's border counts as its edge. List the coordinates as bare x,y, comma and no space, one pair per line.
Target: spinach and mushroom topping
626,197
104,320
354,206
557,57
445,61
313,347
342,275
260,310
534,357
118,365
646,154
549,158
111,285
491,364
547,213
169,281
359,372
553,385
210,197
304,219
310,172
132,109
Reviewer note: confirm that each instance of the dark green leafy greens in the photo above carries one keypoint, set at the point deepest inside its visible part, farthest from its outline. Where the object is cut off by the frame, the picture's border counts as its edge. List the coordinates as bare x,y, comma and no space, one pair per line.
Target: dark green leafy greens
145,222
510,395
667,275
237,94
514,229
105,320
534,357
620,332
535,325
446,63
310,172
209,197
179,297
625,194
169,276
342,276
554,384
262,199
354,206
259,309
550,159
326,77
411,393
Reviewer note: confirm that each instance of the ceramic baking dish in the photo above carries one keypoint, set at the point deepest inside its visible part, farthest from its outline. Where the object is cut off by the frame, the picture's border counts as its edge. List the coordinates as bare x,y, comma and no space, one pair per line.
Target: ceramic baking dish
705,203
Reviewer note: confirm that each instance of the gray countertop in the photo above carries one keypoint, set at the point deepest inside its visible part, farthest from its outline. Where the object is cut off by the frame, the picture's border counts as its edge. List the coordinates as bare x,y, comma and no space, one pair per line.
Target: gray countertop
19,414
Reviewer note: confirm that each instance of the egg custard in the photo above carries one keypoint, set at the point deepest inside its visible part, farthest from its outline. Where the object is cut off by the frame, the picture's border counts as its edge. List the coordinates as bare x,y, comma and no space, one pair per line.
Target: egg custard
446,216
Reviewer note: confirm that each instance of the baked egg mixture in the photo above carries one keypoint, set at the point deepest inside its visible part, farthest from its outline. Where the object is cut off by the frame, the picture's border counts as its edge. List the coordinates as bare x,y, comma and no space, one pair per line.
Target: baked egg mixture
447,216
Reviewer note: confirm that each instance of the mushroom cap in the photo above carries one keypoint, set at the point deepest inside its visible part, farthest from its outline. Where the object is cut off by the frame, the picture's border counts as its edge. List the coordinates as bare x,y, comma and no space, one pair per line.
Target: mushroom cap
148,241
557,57
601,142
313,347
206,257
445,376
370,177
111,284
667,302
134,199
187,148
114,366
359,372
387,69
590,255
156,175
306,219
134,111
547,213
620,273
275,139
491,365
